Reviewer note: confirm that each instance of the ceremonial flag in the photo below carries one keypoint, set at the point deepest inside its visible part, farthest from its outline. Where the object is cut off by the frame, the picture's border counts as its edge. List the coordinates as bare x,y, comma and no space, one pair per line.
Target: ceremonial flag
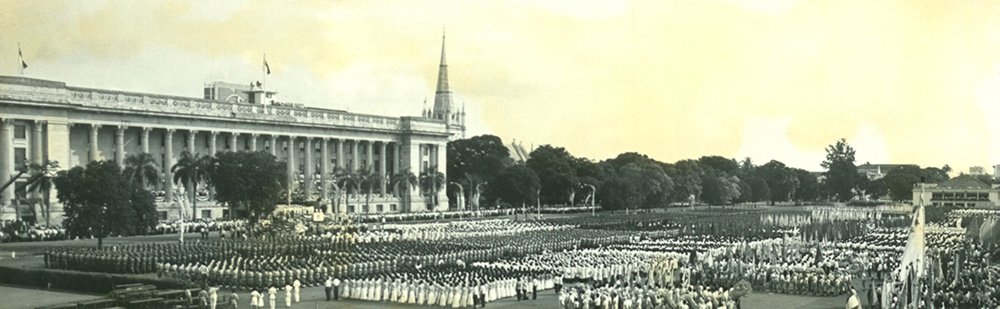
267,68
20,57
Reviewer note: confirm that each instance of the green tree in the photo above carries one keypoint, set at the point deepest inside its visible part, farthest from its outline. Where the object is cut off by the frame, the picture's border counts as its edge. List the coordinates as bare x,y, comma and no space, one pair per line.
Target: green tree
142,169
516,185
41,182
403,180
99,201
808,186
718,188
621,193
251,181
780,181
841,173
340,179
432,181
189,170
556,174
900,184
476,161
687,179
368,180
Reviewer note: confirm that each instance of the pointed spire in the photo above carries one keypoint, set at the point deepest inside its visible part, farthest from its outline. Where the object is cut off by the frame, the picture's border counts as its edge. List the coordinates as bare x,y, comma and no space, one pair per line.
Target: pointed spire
442,98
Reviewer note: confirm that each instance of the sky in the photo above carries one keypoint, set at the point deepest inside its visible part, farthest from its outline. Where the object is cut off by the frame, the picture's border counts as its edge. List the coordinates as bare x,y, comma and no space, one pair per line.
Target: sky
906,81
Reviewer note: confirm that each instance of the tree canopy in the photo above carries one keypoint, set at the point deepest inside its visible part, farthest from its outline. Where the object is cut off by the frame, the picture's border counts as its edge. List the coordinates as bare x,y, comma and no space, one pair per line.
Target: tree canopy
516,185
841,173
249,181
99,201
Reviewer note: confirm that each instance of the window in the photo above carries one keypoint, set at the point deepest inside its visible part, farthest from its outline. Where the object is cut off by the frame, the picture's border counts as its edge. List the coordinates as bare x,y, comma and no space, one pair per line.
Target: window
20,158
206,213
350,208
225,213
162,215
392,207
19,132
364,208
379,207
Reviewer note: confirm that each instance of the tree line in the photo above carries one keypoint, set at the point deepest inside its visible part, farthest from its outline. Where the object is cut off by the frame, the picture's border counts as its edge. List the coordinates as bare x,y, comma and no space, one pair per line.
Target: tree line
481,170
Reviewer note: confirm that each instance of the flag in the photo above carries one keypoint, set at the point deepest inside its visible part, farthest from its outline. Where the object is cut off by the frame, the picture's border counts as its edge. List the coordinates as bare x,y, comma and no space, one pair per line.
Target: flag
267,69
20,57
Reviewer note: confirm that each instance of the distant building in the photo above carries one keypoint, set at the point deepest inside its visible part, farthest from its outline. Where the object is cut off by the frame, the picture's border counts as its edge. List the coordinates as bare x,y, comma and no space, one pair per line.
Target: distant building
961,192
44,120
977,170
877,171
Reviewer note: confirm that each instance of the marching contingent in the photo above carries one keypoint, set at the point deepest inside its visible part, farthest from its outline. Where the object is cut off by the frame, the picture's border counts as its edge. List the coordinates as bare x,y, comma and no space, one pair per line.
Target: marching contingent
652,260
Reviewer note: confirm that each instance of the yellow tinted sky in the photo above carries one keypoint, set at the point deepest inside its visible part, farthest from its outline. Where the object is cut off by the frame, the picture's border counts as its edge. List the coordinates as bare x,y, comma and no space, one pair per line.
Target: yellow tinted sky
904,81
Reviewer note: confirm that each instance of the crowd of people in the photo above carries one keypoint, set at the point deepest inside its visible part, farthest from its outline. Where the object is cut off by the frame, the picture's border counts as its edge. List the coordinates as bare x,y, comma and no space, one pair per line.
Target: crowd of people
650,260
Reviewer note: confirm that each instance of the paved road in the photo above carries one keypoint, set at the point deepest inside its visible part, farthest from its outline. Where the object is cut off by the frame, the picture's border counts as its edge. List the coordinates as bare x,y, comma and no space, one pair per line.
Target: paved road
16,297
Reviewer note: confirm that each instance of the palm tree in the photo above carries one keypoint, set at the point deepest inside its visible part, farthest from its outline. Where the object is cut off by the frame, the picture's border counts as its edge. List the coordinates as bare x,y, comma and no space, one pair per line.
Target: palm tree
401,180
141,168
41,182
367,179
189,170
339,182
432,180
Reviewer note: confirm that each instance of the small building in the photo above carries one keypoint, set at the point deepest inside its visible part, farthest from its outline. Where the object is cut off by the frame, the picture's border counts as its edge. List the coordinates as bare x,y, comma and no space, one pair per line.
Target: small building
960,192
877,171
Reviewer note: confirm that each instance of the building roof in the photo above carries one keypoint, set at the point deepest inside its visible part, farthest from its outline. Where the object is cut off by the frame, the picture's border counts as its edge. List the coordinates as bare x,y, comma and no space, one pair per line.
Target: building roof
963,182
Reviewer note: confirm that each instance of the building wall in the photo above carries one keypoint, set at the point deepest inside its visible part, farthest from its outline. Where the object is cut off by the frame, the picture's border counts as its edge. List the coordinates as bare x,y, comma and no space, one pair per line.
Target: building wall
70,113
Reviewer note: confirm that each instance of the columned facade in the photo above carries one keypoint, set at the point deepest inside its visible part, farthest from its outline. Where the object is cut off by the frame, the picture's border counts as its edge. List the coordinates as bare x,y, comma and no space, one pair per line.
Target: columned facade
50,121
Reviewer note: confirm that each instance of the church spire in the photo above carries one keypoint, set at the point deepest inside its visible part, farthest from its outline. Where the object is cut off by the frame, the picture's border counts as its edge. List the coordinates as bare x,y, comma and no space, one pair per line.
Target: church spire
442,98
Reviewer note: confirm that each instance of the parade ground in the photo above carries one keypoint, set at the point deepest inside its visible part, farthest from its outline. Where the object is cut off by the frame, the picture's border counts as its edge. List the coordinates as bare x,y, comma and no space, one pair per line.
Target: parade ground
30,255
19,297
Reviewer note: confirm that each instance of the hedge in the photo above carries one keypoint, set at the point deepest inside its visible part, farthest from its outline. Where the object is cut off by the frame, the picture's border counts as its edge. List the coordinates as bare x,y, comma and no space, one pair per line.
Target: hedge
78,281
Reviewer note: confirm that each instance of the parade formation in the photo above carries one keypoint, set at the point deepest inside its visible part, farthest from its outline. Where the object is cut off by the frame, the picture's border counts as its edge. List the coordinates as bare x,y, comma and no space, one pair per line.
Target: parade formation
681,259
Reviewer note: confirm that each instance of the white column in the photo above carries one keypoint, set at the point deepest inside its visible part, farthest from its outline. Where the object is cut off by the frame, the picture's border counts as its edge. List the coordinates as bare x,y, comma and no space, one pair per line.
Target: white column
94,155
213,136
253,142
192,134
354,156
274,145
190,142
309,165
37,151
7,164
232,142
324,172
368,156
395,167
443,169
381,167
36,142
169,175
292,179
212,139
120,145
340,154
145,139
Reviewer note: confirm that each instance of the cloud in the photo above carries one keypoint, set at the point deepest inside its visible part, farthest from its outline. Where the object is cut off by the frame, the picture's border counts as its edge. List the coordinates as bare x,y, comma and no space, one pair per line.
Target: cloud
671,79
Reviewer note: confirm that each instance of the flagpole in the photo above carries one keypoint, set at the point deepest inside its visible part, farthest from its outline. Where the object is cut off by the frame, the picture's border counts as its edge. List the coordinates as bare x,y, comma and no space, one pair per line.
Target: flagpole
264,85
20,59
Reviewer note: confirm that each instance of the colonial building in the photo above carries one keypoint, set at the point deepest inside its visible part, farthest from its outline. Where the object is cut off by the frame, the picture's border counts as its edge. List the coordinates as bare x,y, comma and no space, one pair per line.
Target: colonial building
960,192
46,120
